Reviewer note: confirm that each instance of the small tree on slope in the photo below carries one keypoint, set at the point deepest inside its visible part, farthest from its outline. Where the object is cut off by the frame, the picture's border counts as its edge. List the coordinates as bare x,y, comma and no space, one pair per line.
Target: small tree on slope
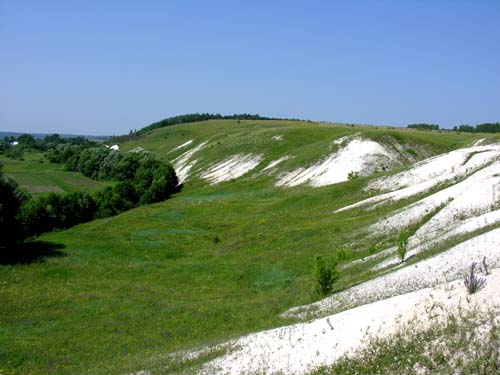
325,274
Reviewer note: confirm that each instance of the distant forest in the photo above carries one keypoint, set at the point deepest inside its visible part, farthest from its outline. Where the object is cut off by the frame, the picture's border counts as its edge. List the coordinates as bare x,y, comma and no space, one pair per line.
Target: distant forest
480,128
423,126
487,127
193,117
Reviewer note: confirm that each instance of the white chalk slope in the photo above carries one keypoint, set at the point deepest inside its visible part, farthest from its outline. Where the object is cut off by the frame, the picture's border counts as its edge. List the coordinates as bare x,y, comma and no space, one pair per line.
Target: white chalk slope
357,155
185,144
353,154
457,193
298,348
468,201
231,168
465,198
184,163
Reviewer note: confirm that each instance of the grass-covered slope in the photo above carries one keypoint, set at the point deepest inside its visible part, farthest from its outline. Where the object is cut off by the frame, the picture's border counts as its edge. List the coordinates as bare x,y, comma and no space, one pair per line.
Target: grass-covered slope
214,262
303,143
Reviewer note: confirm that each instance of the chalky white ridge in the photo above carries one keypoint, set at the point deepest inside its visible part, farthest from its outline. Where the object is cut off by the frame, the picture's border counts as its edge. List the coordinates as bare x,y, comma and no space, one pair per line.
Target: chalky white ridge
183,163
468,204
233,167
298,348
274,163
181,146
358,155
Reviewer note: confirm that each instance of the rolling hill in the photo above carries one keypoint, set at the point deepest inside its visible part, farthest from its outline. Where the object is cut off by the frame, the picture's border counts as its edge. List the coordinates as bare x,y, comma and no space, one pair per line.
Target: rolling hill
232,253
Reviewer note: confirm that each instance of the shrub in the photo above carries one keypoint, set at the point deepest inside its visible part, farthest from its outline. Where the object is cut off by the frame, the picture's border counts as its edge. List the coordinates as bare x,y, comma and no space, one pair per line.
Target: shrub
372,249
484,266
109,165
78,208
56,211
127,167
472,282
352,175
342,253
11,199
110,203
403,245
72,163
90,161
127,191
157,192
39,215
325,274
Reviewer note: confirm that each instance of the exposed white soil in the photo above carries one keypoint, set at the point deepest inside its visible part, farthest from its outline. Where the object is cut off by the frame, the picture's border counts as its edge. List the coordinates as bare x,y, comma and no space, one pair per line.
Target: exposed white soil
181,146
388,262
358,155
432,232
471,197
231,168
137,150
478,142
274,163
429,173
440,268
183,163
377,255
344,139
298,348
465,199
449,165
278,137
426,237
458,209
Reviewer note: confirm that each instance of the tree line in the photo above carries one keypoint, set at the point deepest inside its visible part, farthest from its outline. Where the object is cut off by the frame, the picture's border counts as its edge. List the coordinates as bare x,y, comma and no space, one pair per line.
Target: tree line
487,127
140,178
424,126
187,118
26,142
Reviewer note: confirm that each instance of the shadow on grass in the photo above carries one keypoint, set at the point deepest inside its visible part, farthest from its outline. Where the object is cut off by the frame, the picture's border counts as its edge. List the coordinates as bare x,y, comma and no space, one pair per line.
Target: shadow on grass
30,252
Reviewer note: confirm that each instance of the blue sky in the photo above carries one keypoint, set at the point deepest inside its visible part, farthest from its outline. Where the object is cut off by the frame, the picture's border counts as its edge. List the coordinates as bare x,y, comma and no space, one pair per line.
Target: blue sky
104,67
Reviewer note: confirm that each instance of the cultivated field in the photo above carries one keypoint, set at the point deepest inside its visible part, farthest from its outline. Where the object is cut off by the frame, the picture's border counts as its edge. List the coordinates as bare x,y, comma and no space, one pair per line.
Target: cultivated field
36,175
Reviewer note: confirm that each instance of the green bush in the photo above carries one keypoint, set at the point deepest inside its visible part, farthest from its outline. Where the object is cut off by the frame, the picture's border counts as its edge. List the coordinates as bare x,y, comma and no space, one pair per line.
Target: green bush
56,211
352,175
342,253
11,199
403,245
372,249
325,274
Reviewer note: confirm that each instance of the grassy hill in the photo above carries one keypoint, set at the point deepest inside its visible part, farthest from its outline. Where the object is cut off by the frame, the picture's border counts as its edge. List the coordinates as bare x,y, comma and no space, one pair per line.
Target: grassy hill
214,262
307,141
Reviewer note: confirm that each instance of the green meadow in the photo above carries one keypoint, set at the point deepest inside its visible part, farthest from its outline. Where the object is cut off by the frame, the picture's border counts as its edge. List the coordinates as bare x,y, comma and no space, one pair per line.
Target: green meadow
121,294
36,175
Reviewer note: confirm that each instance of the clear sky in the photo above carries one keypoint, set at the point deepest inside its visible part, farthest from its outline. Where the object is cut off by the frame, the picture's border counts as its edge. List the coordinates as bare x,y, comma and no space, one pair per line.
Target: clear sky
104,67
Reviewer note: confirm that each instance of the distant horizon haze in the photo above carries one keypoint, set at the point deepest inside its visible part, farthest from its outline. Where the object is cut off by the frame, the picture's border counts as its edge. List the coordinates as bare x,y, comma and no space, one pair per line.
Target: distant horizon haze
105,68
